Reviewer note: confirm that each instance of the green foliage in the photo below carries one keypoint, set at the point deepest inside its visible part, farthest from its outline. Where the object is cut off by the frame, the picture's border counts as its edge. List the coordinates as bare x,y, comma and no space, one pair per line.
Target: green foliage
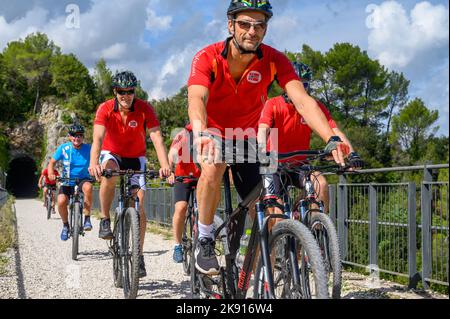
69,76
102,80
4,158
7,220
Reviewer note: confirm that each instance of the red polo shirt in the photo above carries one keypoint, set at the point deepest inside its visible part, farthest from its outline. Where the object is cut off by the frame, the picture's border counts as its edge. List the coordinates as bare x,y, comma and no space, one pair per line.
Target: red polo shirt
238,105
293,132
126,140
46,179
186,165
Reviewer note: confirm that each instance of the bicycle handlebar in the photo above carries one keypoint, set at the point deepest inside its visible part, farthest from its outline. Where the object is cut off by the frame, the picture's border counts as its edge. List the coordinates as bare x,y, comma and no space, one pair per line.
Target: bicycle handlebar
108,173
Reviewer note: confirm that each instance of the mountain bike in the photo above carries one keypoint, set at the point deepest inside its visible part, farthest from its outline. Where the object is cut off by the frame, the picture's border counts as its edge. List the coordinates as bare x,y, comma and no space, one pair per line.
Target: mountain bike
287,236
125,244
76,202
49,203
310,211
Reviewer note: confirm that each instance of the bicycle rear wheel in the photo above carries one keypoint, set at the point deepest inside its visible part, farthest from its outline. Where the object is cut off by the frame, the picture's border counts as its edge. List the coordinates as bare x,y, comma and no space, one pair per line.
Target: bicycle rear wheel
325,234
76,226
186,242
129,253
297,267
48,204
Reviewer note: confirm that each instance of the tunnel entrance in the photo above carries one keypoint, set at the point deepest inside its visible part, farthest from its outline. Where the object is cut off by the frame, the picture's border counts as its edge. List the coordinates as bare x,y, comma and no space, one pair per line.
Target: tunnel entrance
22,178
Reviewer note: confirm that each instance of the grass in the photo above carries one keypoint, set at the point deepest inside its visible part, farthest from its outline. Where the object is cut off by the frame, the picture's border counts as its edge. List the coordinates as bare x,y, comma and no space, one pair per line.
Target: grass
7,231
7,222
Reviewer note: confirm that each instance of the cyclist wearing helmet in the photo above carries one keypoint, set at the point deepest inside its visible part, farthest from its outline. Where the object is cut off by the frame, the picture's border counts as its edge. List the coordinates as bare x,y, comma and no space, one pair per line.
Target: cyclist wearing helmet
227,89
75,162
294,134
119,142
45,183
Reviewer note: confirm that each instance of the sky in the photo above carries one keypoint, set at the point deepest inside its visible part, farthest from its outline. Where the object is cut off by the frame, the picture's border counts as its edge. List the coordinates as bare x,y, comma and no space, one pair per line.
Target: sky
157,39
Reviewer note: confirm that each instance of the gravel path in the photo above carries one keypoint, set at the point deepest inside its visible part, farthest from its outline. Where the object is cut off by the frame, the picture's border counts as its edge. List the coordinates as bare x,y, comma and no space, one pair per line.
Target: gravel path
42,267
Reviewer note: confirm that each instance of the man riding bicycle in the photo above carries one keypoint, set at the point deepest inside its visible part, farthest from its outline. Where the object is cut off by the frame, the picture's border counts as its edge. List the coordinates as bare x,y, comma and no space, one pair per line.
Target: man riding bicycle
179,153
119,142
45,183
294,134
75,160
227,89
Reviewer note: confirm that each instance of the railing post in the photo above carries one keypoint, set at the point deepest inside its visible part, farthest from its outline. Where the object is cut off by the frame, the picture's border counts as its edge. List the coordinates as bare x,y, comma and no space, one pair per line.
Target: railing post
413,275
373,253
332,202
425,204
342,215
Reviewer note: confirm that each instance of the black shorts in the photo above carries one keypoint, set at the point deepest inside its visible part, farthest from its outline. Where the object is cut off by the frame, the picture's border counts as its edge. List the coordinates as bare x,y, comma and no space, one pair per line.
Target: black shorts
52,187
69,190
182,191
277,185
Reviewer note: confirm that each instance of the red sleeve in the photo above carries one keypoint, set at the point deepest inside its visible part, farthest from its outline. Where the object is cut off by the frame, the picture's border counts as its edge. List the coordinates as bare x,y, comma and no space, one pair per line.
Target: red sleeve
56,172
327,115
101,117
267,115
285,70
151,119
44,172
201,69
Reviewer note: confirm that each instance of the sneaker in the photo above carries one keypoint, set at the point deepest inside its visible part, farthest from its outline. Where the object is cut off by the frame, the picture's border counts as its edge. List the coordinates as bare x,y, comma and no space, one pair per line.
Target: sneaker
142,271
87,224
178,254
105,229
65,233
205,257
53,210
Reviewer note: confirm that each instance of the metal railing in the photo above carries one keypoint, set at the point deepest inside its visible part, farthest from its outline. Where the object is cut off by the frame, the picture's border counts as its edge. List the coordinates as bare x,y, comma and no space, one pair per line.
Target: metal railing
394,228
3,196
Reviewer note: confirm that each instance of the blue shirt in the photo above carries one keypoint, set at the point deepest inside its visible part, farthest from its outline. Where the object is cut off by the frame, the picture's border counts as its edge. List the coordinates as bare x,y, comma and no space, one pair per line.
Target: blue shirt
75,161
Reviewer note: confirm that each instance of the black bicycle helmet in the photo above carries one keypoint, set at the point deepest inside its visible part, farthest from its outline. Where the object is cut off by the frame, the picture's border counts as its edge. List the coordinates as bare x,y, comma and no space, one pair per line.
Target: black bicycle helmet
262,6
124,80
76,129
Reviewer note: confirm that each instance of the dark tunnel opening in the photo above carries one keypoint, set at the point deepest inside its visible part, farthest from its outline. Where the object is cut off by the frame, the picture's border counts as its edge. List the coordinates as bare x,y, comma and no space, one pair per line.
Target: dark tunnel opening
22,178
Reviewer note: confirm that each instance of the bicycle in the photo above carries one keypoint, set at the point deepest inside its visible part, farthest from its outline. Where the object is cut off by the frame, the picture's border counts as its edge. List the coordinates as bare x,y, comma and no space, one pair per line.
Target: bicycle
188,229
125,244
310,211
232,282
76,202
49,204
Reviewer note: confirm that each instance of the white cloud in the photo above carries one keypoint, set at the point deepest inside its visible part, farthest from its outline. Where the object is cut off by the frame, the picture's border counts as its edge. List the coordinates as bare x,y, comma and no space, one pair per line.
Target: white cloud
155,23
114,52
397,39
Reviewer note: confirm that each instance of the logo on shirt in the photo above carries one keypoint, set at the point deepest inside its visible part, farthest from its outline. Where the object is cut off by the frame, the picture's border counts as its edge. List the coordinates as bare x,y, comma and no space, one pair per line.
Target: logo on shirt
254,77
133,124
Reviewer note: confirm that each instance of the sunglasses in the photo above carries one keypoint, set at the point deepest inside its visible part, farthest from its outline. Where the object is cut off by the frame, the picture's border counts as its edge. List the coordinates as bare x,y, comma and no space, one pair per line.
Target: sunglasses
123,92
246,25
77,136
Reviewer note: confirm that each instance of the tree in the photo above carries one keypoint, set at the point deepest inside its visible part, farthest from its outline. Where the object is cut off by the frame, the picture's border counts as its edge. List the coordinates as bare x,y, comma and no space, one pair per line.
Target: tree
413,127
103,81
398,96
69,76
31,59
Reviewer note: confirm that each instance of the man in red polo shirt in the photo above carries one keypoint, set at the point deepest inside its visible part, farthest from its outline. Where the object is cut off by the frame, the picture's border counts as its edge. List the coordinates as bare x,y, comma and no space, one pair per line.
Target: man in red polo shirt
48,184
180,154
293,134
119,142
227,90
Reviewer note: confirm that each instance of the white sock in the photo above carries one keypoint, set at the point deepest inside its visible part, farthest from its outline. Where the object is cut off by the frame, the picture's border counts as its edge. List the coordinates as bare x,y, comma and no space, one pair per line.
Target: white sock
205,231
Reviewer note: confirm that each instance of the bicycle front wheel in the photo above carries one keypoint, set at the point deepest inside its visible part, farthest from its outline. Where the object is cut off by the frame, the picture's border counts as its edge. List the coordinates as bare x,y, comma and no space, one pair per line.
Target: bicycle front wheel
129,253
186,242
297,266
325,233
48,205
76,225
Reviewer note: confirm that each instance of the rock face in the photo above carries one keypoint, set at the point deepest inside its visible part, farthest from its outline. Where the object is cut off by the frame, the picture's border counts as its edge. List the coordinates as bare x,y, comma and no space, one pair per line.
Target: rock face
33,137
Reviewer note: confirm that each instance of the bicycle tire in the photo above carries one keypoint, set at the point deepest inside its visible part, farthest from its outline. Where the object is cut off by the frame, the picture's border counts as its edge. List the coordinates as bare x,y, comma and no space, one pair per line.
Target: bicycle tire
49,205
194,273
284,230
129,262
329,246
186,243
76,229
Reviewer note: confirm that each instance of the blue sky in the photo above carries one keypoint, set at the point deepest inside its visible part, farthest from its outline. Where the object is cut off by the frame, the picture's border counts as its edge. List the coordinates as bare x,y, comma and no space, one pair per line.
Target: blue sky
157,39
